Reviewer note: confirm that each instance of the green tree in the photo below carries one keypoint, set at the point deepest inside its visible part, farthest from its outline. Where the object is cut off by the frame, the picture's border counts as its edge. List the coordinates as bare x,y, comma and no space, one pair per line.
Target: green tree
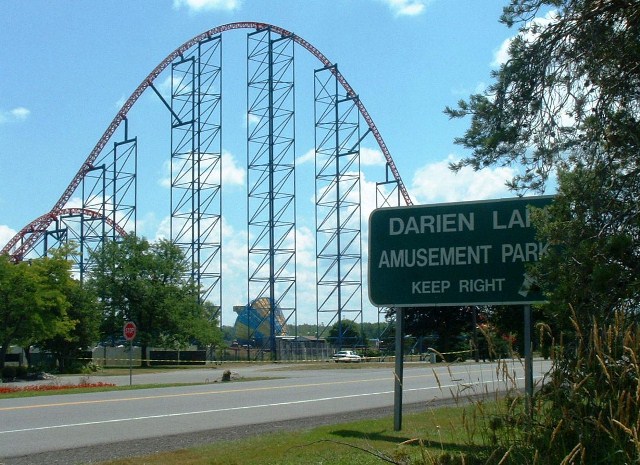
84,314
344,333
568,101
145,283
445,329
33,304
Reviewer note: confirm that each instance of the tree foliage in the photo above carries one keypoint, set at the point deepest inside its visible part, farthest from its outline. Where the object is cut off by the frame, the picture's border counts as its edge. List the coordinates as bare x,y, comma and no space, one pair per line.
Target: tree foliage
84,314
145,283
571,80
345,333
567,101
33,301
445,328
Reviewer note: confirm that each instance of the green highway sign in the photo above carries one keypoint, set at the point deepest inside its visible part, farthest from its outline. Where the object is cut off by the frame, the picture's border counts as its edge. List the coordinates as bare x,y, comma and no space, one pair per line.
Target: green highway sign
453,254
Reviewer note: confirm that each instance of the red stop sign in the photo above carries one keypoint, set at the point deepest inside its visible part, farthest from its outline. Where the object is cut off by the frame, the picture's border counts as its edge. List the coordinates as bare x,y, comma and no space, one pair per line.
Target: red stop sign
129,330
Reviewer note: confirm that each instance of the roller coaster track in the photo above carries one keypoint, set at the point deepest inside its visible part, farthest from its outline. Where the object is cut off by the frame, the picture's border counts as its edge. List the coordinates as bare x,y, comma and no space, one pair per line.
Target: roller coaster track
38,227
48,218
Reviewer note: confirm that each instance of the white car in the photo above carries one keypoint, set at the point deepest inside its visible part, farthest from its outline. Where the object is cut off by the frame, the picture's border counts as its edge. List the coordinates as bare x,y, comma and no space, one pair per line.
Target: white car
346,356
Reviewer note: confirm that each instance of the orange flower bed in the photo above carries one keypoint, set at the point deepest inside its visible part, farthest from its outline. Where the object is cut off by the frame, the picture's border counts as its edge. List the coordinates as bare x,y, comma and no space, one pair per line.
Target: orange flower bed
51,387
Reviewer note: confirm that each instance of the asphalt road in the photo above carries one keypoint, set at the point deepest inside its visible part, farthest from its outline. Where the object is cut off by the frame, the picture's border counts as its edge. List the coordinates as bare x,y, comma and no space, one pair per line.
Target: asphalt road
31,427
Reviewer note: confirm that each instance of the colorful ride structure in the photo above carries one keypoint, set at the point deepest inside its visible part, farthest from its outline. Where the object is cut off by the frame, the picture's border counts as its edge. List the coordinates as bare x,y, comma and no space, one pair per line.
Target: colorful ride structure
257,322
106,183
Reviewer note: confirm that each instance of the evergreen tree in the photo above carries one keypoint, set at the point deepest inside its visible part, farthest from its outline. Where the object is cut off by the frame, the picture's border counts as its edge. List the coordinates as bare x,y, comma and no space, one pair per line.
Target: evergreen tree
567,101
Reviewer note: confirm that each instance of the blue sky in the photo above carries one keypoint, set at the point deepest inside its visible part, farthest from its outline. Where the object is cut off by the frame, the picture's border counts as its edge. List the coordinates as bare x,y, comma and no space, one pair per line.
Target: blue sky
67,66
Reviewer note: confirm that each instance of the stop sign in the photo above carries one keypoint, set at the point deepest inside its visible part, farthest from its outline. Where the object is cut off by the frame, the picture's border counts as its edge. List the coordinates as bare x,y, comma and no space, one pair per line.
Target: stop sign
129,330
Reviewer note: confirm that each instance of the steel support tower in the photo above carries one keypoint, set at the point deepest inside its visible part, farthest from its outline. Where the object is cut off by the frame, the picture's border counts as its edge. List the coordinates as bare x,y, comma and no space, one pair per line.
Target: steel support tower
338,212
196,165
109,188
271,212
388,194
108,195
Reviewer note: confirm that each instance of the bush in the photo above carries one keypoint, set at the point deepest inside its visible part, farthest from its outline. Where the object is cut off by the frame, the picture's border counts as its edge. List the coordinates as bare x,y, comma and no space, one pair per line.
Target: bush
90,368
8,373
594,399
21,372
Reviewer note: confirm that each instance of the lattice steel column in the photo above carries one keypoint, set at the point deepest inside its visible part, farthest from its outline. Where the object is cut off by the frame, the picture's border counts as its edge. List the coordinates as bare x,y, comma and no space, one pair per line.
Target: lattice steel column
338,198
271,177
387,195
196,165
110,189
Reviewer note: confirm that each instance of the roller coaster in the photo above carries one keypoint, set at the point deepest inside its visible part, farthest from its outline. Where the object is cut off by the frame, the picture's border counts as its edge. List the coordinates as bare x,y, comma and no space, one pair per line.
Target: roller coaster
106,182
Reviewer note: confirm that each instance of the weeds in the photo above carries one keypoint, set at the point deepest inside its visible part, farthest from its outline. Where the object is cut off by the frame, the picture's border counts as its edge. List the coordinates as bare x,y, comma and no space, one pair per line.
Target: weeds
587,411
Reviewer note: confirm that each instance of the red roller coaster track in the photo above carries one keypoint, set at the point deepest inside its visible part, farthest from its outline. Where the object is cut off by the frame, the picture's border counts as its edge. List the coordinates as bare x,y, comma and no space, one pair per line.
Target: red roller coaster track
48,218
38,227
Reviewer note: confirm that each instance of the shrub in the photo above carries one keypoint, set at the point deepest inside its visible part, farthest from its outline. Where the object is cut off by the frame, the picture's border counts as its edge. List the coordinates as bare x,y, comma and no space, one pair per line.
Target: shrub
21,372
8,373
593,403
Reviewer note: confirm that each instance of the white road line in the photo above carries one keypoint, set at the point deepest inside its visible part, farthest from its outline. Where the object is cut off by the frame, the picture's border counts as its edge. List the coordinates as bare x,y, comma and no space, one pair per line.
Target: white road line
230,409
198,412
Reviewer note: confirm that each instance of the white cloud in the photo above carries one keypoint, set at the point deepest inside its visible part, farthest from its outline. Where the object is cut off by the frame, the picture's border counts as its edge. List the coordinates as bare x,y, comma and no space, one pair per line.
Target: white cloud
371,157
147,225
15,115
6,234
368,157
208,5
306,248
121,101
307,157
20,113
501,55
163,229
232,173
407,7
252,120
368,200
76,202
435,183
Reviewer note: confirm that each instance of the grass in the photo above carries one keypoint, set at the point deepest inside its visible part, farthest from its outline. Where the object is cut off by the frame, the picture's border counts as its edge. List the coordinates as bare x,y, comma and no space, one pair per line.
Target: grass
424,437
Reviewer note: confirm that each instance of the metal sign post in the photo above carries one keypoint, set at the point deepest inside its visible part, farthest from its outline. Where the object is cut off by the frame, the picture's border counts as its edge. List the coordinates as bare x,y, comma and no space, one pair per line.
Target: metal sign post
398,373
528,362
129,331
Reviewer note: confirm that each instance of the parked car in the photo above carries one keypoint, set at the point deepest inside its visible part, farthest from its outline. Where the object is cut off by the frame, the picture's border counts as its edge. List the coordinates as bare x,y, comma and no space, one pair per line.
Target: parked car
346,356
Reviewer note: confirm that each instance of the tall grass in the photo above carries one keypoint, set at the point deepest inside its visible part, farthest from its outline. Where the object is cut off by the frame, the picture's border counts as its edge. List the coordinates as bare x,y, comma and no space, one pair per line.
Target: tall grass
587,412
